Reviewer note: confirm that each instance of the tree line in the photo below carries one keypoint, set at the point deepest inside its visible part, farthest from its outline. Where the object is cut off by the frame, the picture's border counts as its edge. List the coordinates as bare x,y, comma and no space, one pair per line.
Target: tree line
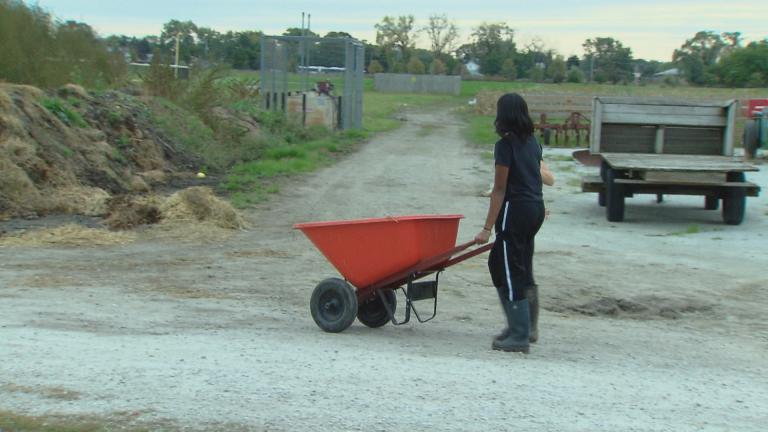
39,50
36,50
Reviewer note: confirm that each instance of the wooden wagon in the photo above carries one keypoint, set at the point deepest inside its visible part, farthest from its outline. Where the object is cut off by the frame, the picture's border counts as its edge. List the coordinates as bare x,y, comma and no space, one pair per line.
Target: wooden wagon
667,147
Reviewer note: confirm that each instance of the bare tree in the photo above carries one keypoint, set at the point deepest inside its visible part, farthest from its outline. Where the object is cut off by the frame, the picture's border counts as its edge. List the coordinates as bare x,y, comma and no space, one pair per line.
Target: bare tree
396,32
442,34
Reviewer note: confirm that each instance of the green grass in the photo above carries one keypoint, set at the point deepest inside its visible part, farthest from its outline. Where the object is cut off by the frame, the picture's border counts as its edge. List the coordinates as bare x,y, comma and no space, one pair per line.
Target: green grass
187,129
480,131
691,229
470,89
251,182
65,151
64,111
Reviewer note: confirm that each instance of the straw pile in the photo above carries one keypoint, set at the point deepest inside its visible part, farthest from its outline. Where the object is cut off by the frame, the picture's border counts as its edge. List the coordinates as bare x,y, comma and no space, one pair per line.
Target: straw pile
84,200
200,205
67,235
193,214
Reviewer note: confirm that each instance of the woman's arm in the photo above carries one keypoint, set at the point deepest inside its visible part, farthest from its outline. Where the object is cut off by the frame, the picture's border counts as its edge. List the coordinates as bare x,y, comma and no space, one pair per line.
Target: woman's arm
497,198
546,175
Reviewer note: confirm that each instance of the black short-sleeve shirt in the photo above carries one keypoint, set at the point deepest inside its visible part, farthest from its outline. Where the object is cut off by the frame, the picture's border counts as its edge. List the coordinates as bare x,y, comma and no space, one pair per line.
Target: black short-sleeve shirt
524,161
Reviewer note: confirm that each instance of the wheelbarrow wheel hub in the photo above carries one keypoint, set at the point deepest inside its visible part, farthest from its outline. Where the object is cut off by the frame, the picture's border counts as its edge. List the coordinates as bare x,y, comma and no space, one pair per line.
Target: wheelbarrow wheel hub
333,305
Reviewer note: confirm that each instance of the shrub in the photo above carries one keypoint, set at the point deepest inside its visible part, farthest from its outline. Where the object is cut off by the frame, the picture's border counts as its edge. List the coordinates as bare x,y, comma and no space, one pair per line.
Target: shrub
575,75
159,80
536,74
375,67
557,70
415,66
437,67
508,69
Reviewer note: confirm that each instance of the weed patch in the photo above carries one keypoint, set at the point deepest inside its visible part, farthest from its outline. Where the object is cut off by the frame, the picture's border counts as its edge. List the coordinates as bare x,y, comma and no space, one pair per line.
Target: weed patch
64,112
480,130
691,229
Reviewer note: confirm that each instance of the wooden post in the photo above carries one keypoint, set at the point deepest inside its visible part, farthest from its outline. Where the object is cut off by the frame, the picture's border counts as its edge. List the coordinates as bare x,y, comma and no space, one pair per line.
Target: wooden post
658,146
597,118
732,108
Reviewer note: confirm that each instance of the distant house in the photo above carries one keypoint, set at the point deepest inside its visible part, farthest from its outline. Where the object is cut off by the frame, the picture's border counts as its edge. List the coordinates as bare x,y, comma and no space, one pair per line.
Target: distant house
674,72
669,75
473,68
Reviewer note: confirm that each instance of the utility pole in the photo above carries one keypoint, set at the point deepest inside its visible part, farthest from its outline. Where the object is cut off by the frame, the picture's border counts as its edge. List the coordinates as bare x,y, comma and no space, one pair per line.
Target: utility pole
306,44
176,68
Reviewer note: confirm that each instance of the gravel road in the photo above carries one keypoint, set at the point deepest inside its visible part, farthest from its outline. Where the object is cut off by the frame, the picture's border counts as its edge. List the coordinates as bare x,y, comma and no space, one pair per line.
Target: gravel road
653,324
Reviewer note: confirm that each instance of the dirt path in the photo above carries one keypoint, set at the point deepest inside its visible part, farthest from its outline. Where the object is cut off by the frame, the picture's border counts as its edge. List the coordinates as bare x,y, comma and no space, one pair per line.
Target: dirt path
651,325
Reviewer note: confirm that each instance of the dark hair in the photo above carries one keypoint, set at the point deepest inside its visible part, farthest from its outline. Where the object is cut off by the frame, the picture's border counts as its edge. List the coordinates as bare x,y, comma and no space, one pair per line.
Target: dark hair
512,117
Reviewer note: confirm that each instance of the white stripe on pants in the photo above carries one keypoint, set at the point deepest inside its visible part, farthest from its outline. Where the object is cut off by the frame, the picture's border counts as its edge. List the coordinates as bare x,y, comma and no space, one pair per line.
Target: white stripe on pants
506,257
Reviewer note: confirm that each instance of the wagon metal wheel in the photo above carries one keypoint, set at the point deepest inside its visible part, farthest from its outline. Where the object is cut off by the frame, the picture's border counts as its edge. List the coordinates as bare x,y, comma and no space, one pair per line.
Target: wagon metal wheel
333,305
601,198
735,201
614,205
751,138
373,313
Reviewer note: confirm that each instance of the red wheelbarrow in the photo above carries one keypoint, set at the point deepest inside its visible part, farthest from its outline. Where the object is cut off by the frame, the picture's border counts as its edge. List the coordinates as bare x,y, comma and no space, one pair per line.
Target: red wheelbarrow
378,256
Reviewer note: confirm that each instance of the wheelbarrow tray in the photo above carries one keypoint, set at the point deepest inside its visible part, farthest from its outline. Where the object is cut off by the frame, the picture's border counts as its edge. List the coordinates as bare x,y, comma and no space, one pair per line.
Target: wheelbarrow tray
367,251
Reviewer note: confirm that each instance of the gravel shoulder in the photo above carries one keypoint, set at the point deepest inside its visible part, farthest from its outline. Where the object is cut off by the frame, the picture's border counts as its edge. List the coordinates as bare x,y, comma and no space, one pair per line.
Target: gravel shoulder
653,324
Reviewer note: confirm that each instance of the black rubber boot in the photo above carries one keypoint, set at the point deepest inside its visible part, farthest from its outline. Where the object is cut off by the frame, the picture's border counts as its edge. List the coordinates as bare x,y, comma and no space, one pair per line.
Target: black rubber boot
532,294
519,320
504,300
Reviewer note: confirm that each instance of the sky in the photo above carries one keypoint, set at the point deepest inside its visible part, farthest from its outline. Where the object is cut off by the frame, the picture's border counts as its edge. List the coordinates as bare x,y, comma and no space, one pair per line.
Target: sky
653,29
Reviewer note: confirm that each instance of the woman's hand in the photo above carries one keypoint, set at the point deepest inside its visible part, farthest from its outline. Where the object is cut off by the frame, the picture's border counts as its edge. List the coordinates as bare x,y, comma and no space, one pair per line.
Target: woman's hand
482,237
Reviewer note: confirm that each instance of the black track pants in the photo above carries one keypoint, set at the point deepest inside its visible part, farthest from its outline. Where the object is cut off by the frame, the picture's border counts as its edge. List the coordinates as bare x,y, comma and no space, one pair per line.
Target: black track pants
511,259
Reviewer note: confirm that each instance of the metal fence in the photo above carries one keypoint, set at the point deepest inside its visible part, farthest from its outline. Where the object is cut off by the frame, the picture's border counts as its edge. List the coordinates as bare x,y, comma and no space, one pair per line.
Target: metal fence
301,65
407,83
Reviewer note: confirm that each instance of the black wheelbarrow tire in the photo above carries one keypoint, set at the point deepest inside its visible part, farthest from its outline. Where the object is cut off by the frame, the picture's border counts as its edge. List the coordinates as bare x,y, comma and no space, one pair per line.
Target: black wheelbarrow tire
373,313
333,305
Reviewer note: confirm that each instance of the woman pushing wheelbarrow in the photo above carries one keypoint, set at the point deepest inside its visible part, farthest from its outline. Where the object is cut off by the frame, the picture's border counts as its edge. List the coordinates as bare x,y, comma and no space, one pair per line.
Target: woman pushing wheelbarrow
516,211
380,256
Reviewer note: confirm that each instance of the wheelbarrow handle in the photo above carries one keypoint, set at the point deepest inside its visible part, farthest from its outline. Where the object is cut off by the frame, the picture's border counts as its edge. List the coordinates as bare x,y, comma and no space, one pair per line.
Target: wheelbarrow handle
465,256
431,265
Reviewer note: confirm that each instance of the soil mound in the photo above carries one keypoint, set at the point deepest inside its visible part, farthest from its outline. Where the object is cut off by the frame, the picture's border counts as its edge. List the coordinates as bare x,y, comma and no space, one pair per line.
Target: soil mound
126,212
644,307
68,151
